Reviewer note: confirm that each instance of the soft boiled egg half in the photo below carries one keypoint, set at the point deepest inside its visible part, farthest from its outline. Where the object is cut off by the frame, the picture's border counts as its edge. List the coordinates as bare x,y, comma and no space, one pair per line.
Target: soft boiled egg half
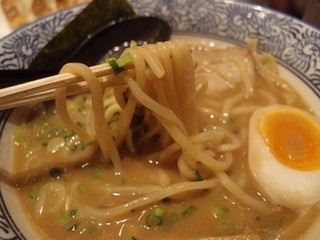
284,155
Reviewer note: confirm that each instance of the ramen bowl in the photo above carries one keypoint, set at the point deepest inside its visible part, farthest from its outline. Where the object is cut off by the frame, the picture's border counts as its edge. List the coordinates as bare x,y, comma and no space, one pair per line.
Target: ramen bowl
294,44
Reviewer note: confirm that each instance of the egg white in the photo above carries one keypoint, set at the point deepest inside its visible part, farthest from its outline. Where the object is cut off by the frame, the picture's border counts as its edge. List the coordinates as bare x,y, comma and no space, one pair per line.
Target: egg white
283,185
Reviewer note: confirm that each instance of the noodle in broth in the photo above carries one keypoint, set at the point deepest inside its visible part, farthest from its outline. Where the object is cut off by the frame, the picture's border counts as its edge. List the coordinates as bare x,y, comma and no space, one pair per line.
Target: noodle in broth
163,156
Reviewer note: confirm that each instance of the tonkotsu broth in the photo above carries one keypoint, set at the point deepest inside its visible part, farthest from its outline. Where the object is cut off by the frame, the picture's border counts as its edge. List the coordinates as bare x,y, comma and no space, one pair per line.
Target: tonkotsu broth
88,182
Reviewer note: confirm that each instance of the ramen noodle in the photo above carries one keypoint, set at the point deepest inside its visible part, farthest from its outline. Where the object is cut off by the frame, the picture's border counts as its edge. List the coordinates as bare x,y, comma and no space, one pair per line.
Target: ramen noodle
171,152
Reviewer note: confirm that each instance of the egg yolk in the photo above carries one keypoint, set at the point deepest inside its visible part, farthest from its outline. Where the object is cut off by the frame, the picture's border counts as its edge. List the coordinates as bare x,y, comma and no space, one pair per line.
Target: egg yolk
293,138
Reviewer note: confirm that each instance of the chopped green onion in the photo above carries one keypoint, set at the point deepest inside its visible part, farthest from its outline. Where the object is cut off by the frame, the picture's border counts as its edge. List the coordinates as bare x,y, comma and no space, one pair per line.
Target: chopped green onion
124,60
230,226
220,211
154,218
133,238
78,146
133,44
159,212
91,227
73,227
64,219
107,60
73,213
33,192
98,171
84,98
61,132
55,172
198,175
188,211
115,66
118,64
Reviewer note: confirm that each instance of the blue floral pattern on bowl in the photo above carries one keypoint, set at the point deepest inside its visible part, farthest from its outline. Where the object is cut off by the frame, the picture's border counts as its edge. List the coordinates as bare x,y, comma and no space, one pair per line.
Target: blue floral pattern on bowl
20,47
295,44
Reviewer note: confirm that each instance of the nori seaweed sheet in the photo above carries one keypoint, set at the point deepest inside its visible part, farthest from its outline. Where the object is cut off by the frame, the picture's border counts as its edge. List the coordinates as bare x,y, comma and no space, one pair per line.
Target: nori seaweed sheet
97,14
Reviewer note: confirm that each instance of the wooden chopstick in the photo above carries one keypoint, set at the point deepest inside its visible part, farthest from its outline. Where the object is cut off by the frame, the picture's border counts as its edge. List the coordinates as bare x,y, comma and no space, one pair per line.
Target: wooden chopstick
52,82
73,89
43,89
